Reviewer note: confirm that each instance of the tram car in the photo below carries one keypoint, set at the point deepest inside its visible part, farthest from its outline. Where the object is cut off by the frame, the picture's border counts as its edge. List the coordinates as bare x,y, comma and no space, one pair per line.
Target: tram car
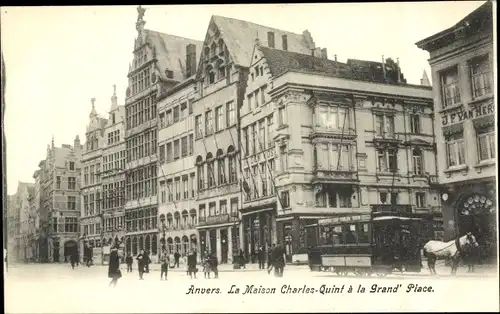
368,244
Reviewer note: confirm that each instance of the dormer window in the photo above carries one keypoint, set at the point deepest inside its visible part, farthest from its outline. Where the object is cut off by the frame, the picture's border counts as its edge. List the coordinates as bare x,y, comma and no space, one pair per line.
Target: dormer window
222,72
169,74
221,47
213,50
284,42
206,53
270,39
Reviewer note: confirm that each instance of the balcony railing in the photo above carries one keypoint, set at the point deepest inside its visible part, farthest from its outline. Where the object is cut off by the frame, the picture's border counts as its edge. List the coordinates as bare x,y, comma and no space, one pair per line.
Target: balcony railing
219,219
332,176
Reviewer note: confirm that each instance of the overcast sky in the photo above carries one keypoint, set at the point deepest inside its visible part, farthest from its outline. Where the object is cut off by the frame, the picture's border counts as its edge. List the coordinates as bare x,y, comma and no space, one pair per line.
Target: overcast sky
58,58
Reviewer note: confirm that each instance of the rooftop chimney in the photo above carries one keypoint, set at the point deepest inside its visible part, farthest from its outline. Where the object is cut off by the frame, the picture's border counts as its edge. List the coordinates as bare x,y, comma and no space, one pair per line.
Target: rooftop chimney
383,66
308,39
335,56
324,53
190,60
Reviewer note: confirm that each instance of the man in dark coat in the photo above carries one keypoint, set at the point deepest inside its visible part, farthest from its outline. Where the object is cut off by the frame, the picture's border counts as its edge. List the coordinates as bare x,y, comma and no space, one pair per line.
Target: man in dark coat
73,259
141,264
114,267
261,257
164,264
148,261
191,261
177,256
278,257
129,260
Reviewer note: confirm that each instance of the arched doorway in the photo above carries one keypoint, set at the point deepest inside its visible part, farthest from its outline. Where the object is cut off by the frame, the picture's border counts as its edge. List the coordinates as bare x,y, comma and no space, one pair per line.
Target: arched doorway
128,246
70,248
170,243
194,242
134,246
477,214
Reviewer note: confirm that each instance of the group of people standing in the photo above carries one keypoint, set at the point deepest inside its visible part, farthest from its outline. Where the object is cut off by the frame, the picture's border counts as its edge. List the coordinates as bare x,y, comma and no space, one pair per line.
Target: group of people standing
275,259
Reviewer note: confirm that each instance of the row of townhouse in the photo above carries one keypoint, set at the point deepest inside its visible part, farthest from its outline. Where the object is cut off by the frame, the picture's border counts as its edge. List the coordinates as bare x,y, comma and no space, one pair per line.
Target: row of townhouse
235,143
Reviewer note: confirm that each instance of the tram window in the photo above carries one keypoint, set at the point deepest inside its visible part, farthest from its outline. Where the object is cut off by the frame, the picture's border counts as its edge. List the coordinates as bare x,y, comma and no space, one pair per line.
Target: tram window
337,235
325,237
350,235
363,233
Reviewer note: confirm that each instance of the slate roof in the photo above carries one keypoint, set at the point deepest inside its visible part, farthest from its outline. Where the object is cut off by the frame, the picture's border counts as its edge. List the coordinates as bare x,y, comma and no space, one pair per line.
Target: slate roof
171,52
280,61
478,19
239,37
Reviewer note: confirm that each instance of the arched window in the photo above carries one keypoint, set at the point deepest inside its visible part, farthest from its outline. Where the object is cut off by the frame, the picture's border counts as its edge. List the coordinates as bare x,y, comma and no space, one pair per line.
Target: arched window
177,220
141,243
134,246
194,241
221,167
213,49
170,220
185,217
128,247
178,247
192,217
231,154
185,245
207,53
110,241
147,243
210,74
210,170
221,47
170,245
154,244
201,172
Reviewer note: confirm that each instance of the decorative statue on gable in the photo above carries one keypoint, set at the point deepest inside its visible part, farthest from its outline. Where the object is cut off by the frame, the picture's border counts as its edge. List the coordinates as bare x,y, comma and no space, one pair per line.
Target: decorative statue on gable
140,13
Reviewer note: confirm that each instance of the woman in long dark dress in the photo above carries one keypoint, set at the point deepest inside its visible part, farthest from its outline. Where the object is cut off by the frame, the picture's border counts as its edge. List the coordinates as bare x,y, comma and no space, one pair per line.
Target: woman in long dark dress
114,267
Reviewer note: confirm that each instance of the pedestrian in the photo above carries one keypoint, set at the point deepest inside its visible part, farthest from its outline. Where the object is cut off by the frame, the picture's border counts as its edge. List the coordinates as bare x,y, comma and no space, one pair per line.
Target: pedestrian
129,260
141,264
114,271
191,261
278,260
206,265
214,264
184,260
164,264
148,261
270,261
261,255
242,259
73,259
177,256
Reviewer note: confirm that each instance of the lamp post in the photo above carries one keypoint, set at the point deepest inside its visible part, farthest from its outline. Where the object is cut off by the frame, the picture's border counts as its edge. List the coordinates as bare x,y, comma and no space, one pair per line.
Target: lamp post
163,230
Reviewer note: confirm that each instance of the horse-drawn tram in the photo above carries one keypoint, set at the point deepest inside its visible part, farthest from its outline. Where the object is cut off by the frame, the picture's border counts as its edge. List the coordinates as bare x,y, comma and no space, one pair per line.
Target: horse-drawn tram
368,244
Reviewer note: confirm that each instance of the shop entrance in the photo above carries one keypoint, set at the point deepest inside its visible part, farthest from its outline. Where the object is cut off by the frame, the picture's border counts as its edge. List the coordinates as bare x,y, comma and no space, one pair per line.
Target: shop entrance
477,214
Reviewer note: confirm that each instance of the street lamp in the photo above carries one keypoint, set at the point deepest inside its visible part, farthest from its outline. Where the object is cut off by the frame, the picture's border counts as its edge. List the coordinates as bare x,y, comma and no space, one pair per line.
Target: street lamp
163,230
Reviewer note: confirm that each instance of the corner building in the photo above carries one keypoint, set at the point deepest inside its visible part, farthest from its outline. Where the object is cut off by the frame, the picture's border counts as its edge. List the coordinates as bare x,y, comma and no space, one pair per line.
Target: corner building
158,65
462,58
349,139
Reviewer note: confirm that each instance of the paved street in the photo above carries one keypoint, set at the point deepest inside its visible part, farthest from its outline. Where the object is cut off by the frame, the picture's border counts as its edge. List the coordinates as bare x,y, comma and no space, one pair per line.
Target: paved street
58,288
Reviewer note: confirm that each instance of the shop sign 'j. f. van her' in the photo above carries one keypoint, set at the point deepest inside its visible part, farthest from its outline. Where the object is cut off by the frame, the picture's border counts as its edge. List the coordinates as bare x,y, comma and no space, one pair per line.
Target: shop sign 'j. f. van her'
457,117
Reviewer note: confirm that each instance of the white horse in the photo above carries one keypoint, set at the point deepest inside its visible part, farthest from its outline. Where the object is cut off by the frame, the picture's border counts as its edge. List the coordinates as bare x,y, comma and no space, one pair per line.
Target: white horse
451,250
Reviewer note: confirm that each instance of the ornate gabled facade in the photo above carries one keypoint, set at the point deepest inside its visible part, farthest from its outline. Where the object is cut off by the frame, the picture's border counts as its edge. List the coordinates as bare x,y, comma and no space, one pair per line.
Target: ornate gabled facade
361,143
159,64
91,218
462,59
113,175
223,76
59,180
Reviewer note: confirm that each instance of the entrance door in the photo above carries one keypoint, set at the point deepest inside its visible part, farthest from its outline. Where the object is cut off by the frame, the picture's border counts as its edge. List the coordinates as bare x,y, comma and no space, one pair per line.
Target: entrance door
213,241
55,252
224,246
